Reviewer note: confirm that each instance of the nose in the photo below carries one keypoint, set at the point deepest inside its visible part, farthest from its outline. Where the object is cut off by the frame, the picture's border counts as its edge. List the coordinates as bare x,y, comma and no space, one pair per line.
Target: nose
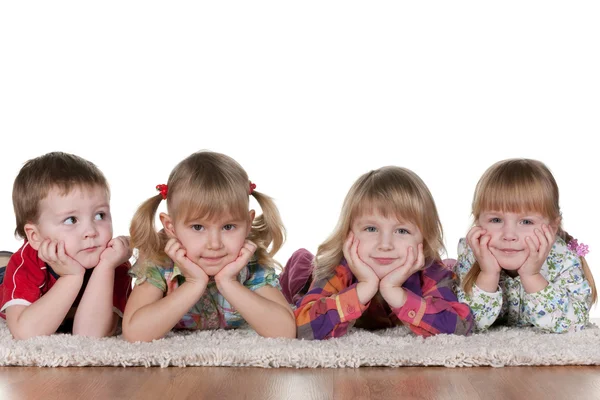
90,230
509,233
385,242
214,240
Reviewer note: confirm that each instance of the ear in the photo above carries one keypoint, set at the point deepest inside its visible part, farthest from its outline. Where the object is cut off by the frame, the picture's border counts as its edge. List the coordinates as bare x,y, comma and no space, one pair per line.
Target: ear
167,223
251,215
34,237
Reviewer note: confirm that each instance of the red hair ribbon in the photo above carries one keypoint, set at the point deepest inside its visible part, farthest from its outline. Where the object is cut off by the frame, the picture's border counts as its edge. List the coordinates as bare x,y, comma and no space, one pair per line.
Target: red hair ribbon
252,187
163,189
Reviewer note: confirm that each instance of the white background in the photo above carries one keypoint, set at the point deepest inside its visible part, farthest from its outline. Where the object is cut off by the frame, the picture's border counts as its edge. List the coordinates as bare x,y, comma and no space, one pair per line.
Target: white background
307,96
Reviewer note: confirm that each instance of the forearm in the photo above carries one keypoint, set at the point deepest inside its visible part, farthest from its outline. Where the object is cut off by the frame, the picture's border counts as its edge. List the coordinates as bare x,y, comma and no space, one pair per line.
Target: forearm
153,321
94,316
556,309
431,314
44,316
266,317
533,283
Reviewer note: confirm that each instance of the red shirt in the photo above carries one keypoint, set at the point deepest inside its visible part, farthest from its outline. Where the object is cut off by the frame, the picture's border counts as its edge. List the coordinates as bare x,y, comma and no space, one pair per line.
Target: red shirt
28,278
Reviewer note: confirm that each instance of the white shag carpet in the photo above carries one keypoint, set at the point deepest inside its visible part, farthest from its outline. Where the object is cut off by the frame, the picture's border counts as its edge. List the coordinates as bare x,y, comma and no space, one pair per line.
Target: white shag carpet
391,348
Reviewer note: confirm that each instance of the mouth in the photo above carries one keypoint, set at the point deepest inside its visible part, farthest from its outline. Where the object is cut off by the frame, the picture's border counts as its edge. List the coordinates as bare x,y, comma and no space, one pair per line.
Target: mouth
383,260
509,251
212,260
90,249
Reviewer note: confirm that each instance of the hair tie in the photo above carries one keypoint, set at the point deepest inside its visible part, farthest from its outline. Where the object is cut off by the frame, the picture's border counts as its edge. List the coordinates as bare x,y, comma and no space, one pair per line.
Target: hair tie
580,249
252,187
163,189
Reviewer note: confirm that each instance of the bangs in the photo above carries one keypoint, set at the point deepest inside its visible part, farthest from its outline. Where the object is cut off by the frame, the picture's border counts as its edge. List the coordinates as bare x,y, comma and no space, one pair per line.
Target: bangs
515,196
194,204
392,204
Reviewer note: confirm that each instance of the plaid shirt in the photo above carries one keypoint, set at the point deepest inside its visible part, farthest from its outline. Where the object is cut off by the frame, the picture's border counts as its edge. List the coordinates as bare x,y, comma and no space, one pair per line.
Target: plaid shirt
331,306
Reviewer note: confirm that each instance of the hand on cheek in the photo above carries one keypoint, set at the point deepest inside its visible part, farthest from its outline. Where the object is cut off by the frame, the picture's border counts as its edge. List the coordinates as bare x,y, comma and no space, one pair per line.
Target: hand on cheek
53,253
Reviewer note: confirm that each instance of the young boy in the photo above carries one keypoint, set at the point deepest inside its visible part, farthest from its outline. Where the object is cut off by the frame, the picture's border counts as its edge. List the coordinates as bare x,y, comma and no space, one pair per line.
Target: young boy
70,274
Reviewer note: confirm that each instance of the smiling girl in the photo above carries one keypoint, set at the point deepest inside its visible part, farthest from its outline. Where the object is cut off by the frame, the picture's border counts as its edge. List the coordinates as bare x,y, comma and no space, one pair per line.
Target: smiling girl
381,266
209,267
517,265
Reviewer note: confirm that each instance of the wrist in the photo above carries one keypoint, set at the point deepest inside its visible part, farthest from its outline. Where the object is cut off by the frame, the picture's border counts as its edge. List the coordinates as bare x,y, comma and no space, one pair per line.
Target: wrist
488,281
533,283
366,291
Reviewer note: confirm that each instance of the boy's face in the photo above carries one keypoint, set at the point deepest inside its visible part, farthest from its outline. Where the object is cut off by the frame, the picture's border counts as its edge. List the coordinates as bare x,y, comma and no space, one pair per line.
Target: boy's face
81,219
384,241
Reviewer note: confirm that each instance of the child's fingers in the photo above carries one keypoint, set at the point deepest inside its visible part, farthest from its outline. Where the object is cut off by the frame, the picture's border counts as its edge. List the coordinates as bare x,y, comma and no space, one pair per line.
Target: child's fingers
347,245
531,247
61,252
420,257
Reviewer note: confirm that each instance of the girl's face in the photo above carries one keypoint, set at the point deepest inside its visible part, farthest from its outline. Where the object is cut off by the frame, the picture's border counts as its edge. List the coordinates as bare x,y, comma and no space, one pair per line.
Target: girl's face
212,244
508,232
384,242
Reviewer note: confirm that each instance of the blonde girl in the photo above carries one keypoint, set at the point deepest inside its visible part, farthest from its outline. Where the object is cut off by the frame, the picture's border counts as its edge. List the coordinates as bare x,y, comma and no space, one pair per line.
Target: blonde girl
517,265
211,266
381,266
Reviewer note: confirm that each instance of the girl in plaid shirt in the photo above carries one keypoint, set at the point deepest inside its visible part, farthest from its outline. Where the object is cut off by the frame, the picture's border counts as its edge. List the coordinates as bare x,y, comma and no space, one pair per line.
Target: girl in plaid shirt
209,267
381,265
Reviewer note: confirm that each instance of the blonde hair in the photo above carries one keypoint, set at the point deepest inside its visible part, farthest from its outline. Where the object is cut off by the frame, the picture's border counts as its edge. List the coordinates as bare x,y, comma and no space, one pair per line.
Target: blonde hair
390,191
204,185
519,186
39,175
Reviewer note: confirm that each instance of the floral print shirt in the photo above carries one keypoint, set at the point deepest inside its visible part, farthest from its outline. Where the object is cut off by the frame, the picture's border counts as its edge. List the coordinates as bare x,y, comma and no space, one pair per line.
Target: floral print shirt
212,311
562,306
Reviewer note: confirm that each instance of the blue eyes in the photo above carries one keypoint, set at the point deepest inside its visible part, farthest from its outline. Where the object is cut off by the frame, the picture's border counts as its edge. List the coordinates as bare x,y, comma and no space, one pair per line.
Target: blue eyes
99,216
401,231
199,228
524,222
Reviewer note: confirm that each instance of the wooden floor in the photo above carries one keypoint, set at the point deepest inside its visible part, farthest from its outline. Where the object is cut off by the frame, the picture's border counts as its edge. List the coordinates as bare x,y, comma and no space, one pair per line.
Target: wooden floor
257,383
487,383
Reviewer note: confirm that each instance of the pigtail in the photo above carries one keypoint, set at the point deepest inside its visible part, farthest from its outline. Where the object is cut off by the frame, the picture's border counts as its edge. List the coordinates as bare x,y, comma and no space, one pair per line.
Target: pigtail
587,272
267,230
144,237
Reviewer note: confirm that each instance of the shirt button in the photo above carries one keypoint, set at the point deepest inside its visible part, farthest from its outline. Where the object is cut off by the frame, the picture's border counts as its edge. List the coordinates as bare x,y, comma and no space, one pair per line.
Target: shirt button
411,313
350,309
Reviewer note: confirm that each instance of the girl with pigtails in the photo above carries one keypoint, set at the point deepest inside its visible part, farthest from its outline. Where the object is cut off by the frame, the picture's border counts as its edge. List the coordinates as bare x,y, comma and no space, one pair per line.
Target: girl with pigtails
211,266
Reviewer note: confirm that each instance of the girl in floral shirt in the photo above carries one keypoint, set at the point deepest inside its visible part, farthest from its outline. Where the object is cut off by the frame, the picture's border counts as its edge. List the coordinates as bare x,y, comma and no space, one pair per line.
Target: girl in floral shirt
381,266
517,265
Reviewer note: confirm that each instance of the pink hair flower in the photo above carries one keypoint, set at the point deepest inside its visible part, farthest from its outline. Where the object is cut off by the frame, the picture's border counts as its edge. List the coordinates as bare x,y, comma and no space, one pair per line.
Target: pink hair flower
580,249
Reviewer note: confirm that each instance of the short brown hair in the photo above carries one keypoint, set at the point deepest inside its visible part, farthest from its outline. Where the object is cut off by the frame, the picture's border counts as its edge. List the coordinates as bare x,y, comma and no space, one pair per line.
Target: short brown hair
41,174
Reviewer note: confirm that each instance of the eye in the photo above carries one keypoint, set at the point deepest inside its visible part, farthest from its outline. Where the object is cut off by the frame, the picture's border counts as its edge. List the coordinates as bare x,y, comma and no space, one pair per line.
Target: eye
229,227
370,229
70,221
100,216
198,228
495,220
527,222
402,231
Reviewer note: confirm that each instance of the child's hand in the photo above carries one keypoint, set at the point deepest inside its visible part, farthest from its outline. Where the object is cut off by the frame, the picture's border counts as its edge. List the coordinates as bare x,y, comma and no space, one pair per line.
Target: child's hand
53,253
397,277
479,241
538,248
190,270
231,270
117,252
361,270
